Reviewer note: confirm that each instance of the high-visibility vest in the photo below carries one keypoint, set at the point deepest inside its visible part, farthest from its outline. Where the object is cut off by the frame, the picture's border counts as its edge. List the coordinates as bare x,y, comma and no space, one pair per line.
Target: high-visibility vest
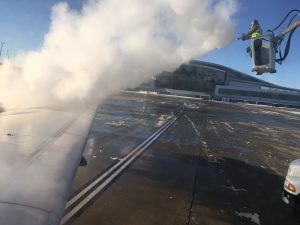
257,33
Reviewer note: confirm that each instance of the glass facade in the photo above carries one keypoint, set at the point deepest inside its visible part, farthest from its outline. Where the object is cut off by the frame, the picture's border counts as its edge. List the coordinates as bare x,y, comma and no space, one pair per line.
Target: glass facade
258,94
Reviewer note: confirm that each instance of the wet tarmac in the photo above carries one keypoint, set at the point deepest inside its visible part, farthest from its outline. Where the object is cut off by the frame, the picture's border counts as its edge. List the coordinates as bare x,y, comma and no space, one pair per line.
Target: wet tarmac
219,163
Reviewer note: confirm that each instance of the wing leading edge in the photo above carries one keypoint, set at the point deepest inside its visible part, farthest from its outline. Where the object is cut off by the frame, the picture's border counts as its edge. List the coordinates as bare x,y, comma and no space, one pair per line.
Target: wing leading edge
40,150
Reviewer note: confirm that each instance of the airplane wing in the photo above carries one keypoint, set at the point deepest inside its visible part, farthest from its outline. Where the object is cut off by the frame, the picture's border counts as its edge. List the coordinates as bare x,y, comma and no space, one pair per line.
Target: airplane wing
40,150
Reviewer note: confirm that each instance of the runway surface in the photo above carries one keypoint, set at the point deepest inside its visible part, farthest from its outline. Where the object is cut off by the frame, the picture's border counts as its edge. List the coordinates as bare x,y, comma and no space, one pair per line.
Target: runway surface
217,163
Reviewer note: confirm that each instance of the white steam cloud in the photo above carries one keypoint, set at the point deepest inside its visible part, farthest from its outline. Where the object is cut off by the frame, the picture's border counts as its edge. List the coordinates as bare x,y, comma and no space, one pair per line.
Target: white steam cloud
113,44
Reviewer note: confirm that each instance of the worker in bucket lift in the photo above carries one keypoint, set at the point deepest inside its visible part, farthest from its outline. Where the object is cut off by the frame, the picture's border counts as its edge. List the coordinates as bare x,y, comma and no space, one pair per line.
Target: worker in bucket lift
255,32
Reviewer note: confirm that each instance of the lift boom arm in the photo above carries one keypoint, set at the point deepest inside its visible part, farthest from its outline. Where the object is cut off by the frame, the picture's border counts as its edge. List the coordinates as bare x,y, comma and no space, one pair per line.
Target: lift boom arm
287,30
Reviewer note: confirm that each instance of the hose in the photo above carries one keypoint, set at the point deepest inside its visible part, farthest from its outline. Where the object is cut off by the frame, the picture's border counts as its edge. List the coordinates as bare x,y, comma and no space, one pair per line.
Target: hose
287,48
294,10
297,14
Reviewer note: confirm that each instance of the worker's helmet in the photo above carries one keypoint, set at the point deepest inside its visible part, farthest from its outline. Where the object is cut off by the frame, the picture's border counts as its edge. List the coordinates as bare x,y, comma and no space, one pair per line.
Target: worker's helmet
254,22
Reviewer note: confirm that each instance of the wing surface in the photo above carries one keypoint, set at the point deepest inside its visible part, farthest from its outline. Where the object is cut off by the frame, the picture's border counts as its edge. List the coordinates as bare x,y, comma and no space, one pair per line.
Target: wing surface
40,149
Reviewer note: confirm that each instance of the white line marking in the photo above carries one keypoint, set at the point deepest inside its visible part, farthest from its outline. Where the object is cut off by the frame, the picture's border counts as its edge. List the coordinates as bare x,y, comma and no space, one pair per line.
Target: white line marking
135,153
213,127
193,125
85,190
228,125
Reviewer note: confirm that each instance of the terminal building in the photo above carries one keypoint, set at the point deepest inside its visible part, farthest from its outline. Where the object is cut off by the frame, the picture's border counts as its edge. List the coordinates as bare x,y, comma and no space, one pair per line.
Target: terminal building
198,78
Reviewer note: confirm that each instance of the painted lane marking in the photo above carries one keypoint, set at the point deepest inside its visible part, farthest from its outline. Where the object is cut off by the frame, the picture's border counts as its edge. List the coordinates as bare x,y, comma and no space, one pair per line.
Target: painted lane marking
106,178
